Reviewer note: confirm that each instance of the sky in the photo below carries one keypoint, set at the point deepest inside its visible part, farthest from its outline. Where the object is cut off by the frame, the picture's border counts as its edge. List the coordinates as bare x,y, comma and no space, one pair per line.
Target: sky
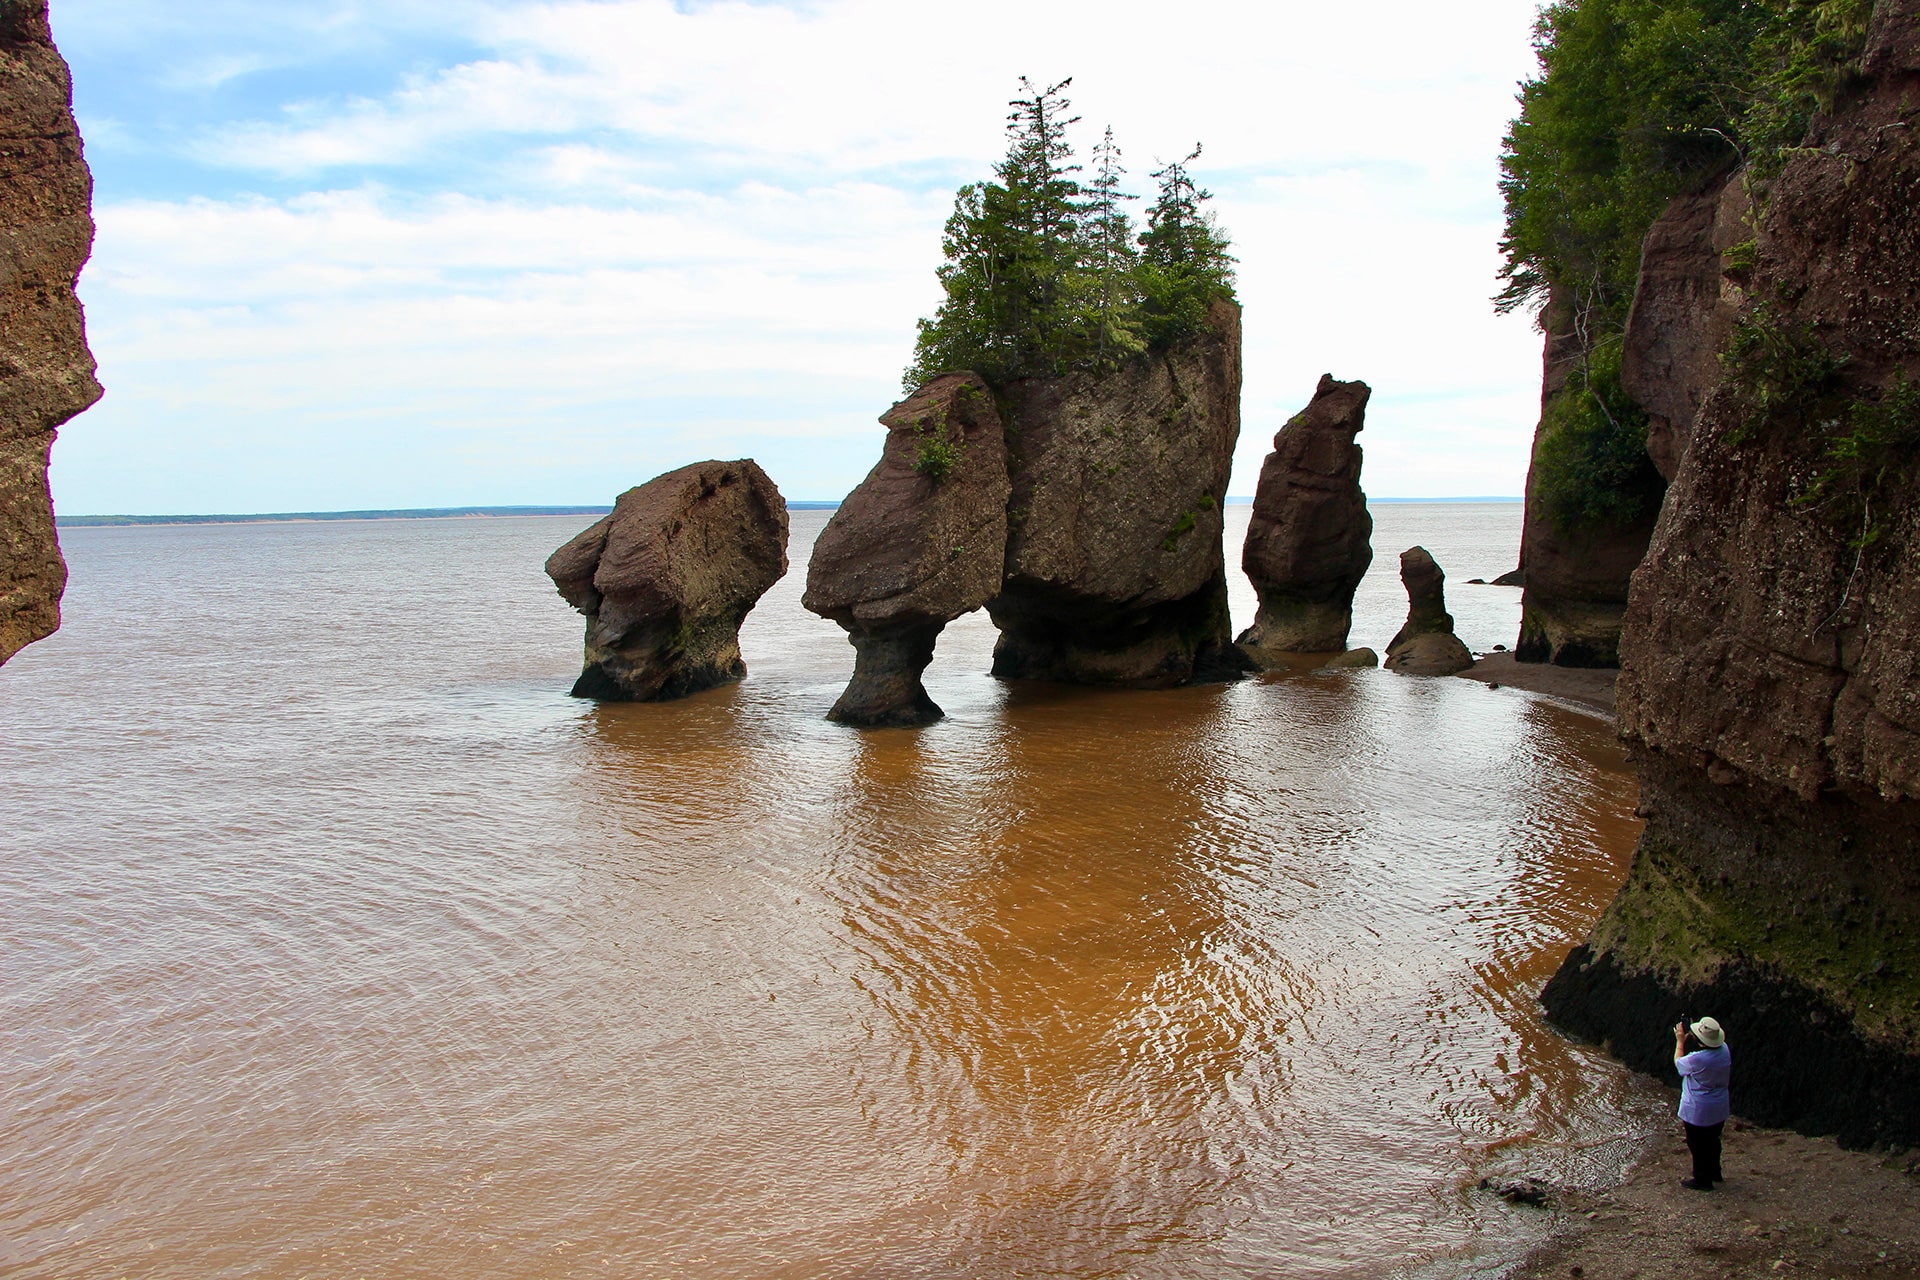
410,253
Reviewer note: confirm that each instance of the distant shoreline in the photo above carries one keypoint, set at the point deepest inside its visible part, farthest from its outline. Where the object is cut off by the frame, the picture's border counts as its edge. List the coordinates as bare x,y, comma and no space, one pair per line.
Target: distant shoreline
467,513
399,513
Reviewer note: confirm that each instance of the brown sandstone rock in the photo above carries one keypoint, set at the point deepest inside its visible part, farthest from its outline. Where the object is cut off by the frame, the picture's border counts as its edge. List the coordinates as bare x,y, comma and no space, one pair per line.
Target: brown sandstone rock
1115,573
667,578
1575,591
1353,659
1425,645
46,371
1309,542
1770,688
1684,307
920,542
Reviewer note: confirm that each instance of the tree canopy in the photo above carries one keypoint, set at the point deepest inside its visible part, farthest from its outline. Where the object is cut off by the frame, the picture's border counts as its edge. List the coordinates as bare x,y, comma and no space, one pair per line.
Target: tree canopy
1045,274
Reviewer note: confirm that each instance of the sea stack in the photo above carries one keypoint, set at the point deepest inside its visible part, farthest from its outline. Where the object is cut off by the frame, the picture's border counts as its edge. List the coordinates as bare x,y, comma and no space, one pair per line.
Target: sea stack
1310,540
46,371
920,542
1770,682
666,580
1115,573
1426,645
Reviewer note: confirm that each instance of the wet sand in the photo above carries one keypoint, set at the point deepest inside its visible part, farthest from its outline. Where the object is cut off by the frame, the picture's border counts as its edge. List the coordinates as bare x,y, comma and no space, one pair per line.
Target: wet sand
1582,686
1791,1205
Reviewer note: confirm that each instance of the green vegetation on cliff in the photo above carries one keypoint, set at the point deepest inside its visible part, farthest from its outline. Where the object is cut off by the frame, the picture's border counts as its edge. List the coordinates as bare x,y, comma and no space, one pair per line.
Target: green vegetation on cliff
1638,101
1044,275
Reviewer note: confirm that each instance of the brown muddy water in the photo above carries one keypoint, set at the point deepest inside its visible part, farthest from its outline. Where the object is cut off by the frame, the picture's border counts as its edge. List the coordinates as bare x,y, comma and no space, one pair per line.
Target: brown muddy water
340,942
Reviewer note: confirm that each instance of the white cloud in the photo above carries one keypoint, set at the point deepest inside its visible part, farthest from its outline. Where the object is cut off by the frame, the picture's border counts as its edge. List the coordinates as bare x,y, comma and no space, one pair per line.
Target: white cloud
633,233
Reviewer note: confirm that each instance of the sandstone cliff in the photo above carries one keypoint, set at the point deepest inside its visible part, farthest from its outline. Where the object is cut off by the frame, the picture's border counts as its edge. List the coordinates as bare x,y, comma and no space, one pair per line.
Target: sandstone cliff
920,542
1575,592
1115,572
1310,539
46,372
1771,658
1684,307
666,580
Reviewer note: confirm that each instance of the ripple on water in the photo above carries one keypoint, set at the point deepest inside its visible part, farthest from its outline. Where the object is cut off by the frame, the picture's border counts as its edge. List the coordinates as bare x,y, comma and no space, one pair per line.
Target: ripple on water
341,941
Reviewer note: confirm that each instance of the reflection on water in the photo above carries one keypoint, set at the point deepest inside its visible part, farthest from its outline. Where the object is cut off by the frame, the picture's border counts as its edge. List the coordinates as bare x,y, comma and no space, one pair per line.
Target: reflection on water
341,942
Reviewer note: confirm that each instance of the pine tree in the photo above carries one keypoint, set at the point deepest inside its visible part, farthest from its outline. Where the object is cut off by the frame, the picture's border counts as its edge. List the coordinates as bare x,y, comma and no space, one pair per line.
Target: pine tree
1111,289
1184,263
1043,276
1013,249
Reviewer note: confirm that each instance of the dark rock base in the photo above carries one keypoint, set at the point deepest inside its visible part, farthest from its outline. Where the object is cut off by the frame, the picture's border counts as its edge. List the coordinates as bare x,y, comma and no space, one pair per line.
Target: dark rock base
1187,641
1298,626
1431,653
661,668
1799,1064
1796,925
1570,633
885,691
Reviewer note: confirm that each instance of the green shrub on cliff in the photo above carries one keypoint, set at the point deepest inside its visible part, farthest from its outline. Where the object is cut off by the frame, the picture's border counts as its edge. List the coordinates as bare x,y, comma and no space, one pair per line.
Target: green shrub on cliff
1043,275
1592,467
1638,101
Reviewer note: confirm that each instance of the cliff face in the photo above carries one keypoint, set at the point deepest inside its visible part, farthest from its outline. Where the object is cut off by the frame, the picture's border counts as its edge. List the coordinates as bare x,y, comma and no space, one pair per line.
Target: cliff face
1115,572
1576,579
1687,298
1771,659
46,372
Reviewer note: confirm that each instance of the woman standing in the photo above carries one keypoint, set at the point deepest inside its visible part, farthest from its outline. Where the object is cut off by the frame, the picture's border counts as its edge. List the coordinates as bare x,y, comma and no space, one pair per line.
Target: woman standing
1704,1098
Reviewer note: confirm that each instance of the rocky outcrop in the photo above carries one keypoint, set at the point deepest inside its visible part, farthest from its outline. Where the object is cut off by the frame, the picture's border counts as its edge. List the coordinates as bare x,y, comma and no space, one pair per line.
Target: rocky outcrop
46,372
1684,306
1310,539
1425,645
668,577
922,541
1575,579
1770,685
1115,573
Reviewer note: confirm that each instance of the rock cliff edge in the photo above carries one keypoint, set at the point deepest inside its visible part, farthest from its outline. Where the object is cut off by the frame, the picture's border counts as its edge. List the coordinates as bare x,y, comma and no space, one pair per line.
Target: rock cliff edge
1770,685
46,371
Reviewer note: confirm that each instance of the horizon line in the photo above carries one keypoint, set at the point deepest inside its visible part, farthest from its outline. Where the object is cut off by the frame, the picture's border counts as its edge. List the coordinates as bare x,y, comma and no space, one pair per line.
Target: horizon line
498,512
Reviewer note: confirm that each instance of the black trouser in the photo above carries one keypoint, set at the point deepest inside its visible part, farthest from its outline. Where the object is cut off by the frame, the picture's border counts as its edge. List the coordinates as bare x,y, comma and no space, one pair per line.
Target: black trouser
1704,1141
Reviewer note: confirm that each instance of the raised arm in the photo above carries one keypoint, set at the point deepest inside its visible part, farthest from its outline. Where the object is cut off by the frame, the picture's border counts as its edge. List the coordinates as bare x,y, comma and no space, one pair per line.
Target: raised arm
1679,1041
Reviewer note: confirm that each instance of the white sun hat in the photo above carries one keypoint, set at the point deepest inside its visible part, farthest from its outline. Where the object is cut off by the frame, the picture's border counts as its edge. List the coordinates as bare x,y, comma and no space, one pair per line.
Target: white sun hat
1708,1033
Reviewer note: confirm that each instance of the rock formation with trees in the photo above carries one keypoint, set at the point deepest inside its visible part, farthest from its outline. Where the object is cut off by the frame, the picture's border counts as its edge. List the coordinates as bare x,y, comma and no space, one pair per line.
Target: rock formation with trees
1770,690
667,578
1112,357
46,371
1310,539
